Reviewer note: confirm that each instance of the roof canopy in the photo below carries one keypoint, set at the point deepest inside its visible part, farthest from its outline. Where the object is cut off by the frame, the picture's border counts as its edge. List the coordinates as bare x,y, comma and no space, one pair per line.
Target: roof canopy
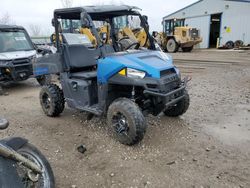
96,12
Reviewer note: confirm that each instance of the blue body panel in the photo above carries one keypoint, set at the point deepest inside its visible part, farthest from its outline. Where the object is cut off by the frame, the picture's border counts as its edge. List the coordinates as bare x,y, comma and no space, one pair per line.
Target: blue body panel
151,62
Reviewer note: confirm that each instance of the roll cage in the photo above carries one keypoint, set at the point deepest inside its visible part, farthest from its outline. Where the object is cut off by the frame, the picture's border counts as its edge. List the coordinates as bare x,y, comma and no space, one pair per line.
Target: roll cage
98,13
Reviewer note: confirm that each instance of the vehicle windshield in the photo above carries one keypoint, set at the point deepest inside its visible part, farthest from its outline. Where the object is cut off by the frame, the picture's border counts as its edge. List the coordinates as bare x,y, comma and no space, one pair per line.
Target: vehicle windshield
125,32
77,38
130,21
11,41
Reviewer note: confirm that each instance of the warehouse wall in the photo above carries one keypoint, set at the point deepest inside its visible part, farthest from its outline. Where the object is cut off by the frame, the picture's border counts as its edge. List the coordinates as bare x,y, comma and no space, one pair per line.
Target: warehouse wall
201,22
235,16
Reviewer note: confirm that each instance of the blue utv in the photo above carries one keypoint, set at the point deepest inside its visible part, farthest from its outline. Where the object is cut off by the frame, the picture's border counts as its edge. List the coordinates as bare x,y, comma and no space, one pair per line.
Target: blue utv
105,70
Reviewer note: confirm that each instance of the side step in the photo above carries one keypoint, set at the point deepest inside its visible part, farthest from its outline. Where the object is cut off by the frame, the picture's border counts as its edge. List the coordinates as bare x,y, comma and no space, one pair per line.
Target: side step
94,109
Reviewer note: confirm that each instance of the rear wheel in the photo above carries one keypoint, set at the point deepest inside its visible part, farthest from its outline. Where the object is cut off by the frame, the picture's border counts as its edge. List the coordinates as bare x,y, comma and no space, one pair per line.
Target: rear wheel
172,46
29,178
187,49
179,108
126,121
52,100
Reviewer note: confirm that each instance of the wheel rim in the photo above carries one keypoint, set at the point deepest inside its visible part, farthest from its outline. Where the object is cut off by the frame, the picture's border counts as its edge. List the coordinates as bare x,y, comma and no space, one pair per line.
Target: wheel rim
46,101
120,124
43,179
171,46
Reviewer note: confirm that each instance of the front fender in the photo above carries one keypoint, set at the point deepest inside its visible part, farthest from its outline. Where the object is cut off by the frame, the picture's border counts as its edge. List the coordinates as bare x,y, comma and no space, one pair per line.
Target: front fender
14,142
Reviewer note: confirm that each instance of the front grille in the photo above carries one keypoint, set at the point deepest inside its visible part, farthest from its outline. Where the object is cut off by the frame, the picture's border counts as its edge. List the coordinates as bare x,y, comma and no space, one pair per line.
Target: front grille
169,87
167,72
21,61
171,78
194,33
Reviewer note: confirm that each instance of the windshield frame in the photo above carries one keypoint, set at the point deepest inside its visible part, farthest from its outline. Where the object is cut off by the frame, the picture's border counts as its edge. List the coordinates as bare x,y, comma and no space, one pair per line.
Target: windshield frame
26,35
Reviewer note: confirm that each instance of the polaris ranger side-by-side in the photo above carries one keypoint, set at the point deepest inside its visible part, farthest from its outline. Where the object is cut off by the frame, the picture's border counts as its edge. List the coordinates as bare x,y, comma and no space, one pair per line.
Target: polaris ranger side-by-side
123,82
17,53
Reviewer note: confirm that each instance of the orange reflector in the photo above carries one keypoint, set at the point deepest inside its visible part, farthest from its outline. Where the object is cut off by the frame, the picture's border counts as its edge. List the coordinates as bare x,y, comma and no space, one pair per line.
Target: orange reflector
123,72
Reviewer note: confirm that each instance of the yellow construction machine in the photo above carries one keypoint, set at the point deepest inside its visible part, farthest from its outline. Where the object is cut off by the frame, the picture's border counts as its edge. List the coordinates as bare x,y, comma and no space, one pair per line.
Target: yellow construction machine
176,35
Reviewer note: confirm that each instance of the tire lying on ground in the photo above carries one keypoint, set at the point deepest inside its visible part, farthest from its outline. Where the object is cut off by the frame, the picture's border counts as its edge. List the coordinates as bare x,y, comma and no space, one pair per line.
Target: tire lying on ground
52,100
238,43
180,108
229,45
126,121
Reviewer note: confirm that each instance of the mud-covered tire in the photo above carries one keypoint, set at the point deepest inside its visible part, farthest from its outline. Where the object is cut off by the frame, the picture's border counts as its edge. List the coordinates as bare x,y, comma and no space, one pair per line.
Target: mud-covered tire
31,152
172,46
52,100
187,49
180,108
44,79
131,117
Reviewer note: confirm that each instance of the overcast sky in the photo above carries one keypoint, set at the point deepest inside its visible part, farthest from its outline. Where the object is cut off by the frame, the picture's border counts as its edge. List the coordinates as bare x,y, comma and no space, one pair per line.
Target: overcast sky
40,12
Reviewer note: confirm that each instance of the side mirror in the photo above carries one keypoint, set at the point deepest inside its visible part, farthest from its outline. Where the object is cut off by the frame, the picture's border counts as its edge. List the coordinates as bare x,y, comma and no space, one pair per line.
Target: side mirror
3,124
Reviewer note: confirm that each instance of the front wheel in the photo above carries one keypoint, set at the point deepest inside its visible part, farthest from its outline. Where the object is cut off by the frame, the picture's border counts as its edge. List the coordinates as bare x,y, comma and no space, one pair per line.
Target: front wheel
126,121
172,46
52,100
179,108
44,180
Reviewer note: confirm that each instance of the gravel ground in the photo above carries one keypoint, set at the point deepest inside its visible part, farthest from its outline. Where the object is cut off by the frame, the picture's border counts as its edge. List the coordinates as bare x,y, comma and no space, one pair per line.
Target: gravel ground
209,146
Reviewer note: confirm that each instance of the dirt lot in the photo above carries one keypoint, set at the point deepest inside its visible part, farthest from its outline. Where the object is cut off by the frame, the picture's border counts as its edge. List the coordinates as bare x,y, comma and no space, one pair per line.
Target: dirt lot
207,147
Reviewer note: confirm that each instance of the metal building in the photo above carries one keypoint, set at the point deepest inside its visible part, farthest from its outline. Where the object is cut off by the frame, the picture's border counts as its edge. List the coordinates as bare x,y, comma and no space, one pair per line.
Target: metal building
228,20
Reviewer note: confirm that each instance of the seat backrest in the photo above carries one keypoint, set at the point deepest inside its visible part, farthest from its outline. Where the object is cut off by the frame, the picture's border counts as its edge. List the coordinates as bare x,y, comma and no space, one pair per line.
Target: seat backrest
79,56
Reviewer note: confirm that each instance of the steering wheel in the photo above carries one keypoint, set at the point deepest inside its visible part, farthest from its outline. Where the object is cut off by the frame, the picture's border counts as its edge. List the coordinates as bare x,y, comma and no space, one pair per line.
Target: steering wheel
136,44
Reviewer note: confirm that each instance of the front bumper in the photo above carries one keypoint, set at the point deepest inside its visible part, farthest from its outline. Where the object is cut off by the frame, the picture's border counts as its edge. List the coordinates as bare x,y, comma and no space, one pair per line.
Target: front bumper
16,71
155,95
172,97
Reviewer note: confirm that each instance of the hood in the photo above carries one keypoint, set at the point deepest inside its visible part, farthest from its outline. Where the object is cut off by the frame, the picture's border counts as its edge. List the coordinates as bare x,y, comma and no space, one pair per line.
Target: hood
17,55
151,62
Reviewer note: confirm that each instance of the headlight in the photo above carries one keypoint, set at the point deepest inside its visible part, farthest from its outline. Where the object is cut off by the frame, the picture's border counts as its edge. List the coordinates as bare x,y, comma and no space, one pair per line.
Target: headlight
4,63
33,59
132,73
